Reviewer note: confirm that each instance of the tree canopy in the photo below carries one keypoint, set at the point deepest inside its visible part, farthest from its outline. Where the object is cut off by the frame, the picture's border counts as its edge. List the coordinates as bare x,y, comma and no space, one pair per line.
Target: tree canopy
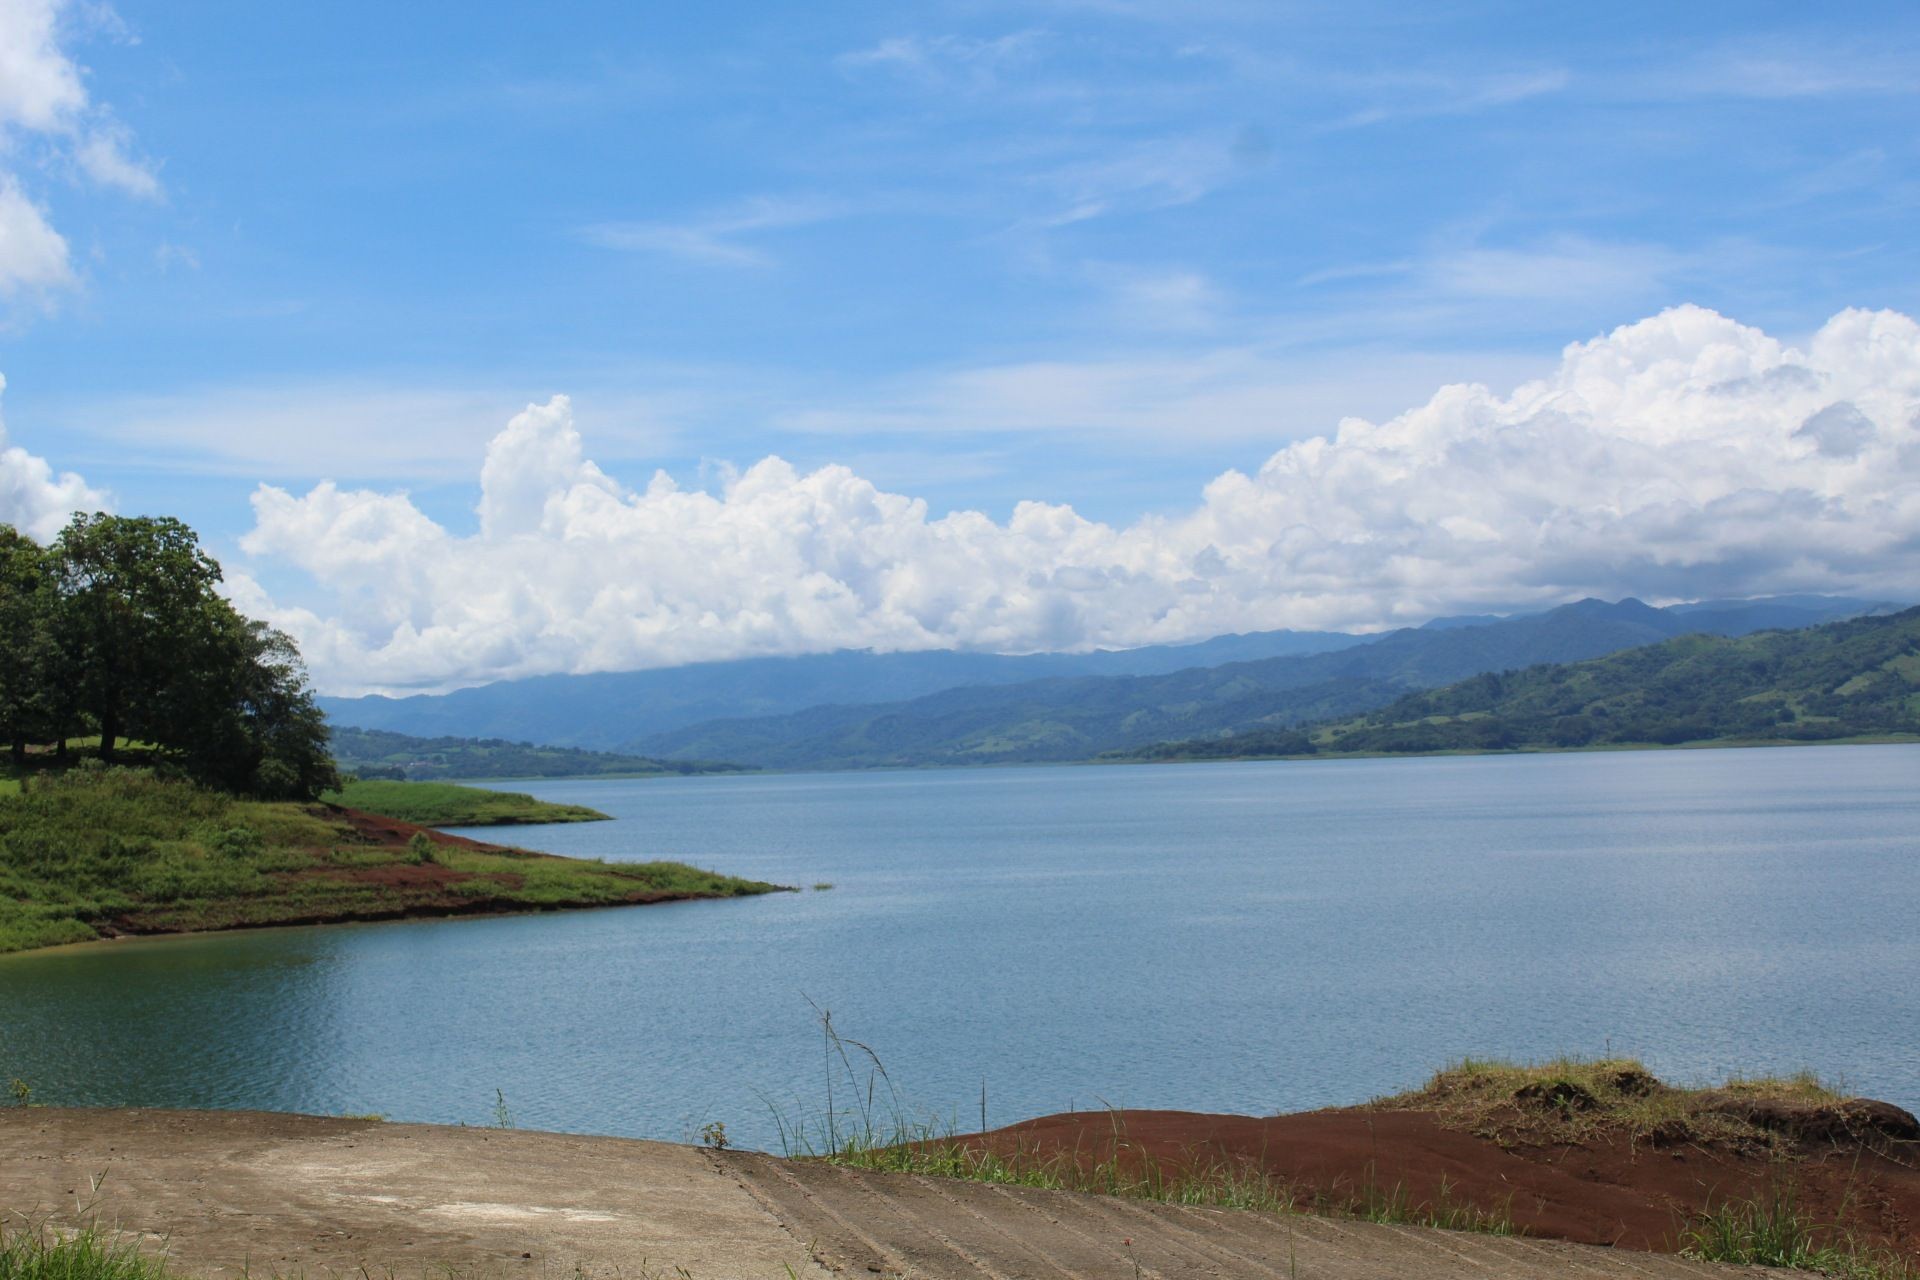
118,629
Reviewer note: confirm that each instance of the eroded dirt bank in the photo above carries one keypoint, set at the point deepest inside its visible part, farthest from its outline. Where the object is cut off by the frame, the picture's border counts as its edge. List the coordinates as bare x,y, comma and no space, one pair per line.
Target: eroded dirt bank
1607,1186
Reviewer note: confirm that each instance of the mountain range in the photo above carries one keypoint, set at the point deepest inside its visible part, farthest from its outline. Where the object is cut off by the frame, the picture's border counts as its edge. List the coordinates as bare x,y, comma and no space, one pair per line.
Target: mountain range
858,709
608,711
1854,679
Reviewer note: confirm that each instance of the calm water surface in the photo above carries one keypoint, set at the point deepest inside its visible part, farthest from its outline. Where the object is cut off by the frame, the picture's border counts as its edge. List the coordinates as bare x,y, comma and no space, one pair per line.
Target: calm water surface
1247,937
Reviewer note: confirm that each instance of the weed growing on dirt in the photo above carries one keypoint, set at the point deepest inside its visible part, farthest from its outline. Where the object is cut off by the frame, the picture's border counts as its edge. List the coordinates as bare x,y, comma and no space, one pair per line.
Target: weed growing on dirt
39,1253
1396,1205
1773,1231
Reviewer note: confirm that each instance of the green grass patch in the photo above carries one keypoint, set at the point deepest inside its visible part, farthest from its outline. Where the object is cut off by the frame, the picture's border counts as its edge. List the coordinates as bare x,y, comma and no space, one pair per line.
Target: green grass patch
939,1153
41,1253
447,804
1772,1230
96,852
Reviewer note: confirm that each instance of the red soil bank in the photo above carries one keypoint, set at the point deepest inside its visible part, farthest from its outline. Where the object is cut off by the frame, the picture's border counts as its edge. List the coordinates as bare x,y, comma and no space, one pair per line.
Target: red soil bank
1610,1190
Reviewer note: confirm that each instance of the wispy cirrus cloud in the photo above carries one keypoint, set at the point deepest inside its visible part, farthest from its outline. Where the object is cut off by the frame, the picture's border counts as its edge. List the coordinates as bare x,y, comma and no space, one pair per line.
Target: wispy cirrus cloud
1149,398
722,239
1424,95
1155,173
947,62
1782,68
350,430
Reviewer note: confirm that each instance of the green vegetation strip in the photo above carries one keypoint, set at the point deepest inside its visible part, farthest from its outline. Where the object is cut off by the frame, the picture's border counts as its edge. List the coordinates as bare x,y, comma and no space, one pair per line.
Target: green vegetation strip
446,804
97,852
1774,1231
88,1254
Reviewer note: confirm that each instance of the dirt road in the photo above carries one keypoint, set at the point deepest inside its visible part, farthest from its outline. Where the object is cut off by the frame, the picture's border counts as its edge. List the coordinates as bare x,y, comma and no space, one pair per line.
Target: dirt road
238,1193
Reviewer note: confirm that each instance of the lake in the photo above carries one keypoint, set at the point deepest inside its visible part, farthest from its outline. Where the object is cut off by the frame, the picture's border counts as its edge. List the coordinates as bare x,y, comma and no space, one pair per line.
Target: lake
1245,937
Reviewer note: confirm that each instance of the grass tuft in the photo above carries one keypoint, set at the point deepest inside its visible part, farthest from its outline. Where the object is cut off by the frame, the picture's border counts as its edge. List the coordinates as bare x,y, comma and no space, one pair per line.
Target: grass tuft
1773,1231
88,1254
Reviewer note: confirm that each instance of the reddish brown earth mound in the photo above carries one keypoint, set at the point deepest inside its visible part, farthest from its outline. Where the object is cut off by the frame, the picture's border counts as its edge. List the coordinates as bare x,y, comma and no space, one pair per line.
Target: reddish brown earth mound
1608,1189
391,833
428,886
425,888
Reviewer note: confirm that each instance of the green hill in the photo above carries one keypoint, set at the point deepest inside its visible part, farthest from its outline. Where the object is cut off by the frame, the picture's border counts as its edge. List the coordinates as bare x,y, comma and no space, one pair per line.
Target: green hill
381,754
1844,680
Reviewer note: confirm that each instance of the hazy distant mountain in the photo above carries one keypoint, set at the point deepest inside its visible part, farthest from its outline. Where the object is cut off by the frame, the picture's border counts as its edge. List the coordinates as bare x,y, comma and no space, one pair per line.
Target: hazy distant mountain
609,711
855,708
1073,719
1853,679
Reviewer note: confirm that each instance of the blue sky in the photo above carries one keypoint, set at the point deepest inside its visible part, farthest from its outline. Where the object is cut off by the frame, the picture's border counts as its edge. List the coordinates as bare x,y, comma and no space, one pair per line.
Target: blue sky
1087,253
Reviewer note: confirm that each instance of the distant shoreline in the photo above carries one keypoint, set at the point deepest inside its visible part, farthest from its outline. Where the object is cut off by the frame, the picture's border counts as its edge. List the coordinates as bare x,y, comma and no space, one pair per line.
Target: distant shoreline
1870,740
1711,744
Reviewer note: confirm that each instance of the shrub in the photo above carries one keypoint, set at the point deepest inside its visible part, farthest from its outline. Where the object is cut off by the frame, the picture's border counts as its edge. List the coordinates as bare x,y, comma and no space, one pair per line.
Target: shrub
236,842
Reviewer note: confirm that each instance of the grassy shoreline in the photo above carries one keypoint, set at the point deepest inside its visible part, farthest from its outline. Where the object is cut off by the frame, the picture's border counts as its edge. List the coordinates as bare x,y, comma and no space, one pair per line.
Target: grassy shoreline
449,804
105,853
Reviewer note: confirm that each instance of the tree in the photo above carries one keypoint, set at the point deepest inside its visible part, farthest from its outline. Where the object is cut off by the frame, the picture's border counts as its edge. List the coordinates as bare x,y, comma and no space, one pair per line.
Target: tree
247,720
156,653
29,656
138,592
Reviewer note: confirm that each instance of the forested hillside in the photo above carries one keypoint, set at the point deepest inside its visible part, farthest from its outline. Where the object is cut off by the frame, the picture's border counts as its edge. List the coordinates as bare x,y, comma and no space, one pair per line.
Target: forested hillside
1079,718
376,753
1853,679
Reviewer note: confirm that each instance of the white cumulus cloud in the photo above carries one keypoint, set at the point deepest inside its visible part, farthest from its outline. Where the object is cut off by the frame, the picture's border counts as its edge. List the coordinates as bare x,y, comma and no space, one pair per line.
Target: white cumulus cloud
1685,455
43,94
33,256
33,498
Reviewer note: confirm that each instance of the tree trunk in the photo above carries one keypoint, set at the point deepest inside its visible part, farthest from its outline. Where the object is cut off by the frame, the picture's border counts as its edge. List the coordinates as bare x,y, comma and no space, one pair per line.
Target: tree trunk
60,748
19,752
109,731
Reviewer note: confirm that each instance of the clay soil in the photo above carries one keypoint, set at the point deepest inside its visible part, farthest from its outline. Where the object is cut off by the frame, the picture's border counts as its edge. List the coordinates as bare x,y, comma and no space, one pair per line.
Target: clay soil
1609,1188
